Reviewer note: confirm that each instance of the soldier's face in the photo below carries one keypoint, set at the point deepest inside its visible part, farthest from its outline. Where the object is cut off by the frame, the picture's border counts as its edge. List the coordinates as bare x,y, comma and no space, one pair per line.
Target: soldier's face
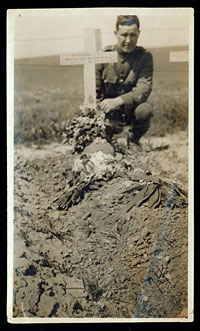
127,36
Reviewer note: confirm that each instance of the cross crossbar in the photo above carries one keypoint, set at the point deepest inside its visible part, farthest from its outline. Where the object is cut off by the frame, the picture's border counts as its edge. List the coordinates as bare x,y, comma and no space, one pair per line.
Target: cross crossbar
81,58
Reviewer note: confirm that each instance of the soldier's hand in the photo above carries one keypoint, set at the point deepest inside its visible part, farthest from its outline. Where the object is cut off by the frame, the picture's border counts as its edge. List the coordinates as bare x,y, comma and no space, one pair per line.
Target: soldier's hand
111,104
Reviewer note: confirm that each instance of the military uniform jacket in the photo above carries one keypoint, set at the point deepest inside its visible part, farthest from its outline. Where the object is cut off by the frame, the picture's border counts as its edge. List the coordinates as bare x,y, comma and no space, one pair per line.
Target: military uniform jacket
130,78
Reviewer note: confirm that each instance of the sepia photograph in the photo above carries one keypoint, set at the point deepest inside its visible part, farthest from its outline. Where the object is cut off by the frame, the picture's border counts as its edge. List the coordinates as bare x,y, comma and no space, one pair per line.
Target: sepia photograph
100,163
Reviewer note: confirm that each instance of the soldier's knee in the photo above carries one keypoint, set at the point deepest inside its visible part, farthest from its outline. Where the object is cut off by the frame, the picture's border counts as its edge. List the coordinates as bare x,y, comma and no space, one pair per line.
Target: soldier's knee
143,111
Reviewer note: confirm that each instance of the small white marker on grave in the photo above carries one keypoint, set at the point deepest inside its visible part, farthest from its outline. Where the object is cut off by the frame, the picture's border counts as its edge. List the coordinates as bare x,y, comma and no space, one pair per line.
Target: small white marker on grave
92,55
179,56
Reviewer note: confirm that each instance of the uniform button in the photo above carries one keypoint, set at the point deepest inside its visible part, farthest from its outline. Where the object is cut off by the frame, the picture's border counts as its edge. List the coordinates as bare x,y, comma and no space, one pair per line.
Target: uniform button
105,80
121,80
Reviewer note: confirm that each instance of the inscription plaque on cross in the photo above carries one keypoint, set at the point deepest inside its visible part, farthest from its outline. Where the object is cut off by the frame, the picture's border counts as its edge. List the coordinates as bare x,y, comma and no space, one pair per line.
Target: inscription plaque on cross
92,54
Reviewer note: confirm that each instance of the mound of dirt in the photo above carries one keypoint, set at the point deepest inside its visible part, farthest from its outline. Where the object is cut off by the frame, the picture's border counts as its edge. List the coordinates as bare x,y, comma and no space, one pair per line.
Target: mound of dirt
96,259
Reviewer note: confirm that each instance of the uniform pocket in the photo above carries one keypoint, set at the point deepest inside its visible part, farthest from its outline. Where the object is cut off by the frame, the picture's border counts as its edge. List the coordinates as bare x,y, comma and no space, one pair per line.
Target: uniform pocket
109,75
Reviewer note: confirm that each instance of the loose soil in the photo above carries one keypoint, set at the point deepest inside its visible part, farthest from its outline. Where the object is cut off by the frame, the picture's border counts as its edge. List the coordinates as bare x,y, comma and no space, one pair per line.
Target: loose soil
95,260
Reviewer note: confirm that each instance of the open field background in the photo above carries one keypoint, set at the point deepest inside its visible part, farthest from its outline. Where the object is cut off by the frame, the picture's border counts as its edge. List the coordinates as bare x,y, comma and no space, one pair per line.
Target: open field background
47,96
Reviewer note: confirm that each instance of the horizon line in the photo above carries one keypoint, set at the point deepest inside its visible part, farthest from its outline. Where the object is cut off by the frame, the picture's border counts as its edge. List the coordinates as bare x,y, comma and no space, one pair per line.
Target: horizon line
49,55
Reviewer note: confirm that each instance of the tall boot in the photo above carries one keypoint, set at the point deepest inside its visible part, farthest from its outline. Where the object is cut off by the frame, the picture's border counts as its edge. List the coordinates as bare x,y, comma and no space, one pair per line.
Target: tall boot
140,127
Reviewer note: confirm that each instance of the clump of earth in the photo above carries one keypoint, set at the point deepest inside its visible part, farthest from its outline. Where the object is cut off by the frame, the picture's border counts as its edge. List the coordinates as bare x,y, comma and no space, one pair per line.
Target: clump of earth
98,258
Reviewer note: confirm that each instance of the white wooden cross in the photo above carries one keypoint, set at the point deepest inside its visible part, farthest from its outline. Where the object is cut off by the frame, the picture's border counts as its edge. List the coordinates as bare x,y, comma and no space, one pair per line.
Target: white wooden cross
92,55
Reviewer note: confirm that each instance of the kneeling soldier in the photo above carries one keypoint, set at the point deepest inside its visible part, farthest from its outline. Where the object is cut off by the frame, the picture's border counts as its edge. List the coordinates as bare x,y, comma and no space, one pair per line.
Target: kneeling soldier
124,87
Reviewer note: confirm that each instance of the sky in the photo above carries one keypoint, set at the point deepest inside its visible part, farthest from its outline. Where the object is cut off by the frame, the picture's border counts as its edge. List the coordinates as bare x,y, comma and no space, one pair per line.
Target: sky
57,31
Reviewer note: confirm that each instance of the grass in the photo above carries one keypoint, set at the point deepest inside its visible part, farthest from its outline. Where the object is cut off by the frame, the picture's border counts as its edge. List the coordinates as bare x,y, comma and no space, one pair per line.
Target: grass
45,106
42,122
170,113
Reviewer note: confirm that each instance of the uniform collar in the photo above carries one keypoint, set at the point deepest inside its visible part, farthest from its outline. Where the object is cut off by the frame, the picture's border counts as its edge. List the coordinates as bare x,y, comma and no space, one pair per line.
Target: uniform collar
126,56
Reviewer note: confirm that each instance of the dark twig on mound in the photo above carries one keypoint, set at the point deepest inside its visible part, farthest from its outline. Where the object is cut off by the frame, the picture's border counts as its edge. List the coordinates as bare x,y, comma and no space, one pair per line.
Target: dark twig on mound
71,197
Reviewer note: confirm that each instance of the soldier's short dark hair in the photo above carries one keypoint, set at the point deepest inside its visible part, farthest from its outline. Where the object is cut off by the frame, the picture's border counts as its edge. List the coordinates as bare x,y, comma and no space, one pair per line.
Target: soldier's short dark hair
127,20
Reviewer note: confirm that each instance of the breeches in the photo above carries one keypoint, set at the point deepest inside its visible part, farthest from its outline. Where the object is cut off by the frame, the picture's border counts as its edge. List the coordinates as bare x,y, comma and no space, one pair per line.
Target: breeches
138,118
